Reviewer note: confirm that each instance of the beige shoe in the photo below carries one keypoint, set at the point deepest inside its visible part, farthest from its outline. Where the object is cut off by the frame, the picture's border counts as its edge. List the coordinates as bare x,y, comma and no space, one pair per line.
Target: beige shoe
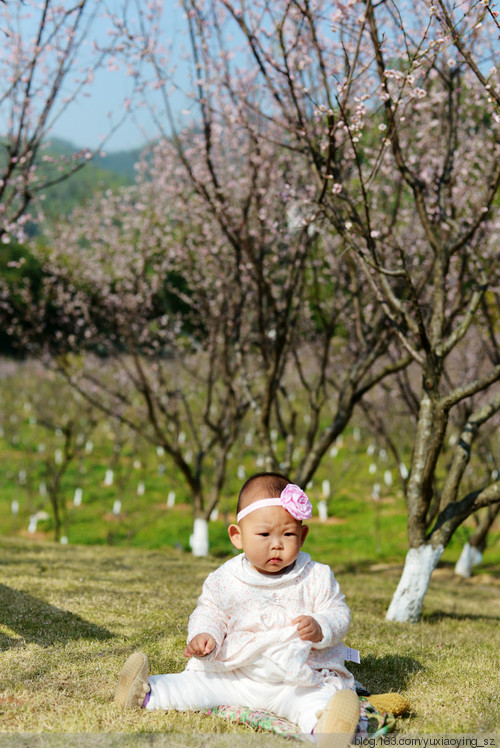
132,685
337,724
393,703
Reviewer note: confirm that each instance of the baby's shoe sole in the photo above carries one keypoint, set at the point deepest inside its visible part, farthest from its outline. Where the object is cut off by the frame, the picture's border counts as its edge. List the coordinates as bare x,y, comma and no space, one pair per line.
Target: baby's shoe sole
337,723
132,685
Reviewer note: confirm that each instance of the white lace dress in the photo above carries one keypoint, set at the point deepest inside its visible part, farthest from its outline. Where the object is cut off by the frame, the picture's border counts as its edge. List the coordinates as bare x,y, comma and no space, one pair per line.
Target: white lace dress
249,615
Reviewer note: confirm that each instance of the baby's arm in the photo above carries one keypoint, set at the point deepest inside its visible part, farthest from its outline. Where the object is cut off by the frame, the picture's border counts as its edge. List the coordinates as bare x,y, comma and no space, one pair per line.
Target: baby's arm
208,622
330,617
331,610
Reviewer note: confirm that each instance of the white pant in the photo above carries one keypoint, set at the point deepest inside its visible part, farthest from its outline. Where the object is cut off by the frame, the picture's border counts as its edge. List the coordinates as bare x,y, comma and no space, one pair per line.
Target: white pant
195,689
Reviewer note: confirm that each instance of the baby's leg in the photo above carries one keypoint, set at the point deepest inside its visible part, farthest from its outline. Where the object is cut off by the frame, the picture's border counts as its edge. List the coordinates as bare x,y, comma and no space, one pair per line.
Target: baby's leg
301,705
195,689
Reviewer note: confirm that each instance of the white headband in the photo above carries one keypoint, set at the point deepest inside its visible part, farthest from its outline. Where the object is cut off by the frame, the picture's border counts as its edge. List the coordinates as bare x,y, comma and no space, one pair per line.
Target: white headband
292,498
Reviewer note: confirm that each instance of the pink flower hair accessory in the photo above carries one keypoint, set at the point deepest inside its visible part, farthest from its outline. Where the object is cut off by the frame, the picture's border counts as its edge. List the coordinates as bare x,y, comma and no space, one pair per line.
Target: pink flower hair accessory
292,498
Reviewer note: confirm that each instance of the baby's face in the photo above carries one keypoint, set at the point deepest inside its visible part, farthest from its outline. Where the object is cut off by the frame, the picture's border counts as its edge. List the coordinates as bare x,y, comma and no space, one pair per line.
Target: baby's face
271,539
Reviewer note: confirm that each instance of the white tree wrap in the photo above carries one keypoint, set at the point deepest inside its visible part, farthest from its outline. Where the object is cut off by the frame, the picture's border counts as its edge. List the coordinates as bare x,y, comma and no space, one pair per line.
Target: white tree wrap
406,605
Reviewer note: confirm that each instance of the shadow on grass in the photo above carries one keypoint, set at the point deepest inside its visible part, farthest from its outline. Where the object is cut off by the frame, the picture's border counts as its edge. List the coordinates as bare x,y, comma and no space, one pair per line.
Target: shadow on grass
36,621
384,674
440,615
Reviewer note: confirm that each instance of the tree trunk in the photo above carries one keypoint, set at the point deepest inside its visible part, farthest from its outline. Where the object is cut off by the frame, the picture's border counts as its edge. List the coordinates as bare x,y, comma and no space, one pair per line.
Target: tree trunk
469,557
472,552
56,514
407,602
199,540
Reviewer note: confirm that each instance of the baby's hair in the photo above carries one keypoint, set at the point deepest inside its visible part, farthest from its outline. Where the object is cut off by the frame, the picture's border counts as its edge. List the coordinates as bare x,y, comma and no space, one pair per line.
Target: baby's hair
272,484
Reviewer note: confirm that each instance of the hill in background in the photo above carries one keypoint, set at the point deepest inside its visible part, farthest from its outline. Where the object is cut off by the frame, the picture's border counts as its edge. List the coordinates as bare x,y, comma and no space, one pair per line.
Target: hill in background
18,264
111,171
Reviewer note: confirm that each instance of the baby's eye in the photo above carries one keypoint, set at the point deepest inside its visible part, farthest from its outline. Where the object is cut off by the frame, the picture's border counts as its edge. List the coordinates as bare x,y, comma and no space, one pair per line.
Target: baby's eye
264,534
290,534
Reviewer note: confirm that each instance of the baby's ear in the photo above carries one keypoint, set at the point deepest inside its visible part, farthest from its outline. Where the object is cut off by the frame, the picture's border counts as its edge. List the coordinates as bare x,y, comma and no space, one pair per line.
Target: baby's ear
303,534
235,536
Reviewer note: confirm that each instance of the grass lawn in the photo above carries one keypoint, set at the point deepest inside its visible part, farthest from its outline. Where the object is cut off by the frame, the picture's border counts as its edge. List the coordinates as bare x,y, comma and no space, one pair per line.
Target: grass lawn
70,615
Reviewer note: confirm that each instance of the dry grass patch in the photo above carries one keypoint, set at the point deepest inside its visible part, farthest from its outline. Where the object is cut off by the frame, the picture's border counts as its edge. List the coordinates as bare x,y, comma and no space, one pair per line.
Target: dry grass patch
71,615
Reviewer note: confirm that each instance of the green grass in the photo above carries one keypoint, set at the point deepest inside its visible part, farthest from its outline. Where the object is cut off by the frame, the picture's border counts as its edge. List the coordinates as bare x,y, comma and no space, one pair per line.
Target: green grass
70,615
366,531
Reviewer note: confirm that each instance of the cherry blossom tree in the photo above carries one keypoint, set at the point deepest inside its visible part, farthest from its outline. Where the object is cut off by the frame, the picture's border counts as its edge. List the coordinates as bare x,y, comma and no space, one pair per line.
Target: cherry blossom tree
371,245
58,421
200,312
148,281
394,111
474,548
459,237
401,398
50,53
168,328
305,326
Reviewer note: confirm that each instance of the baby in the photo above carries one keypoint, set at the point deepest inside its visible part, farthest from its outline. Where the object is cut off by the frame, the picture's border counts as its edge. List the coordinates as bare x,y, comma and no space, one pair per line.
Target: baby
267,630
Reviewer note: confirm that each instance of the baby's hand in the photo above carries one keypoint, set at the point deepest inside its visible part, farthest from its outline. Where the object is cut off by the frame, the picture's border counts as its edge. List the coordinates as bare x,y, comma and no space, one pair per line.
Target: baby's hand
308,628
200,645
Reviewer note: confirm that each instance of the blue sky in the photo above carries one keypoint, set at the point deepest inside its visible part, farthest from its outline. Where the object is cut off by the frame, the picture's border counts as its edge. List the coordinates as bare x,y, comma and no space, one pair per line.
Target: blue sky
90,118
86,121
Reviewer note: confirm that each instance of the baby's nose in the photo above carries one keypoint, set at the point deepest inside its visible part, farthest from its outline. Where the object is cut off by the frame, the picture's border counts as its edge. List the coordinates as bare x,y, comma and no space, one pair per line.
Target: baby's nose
277,542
